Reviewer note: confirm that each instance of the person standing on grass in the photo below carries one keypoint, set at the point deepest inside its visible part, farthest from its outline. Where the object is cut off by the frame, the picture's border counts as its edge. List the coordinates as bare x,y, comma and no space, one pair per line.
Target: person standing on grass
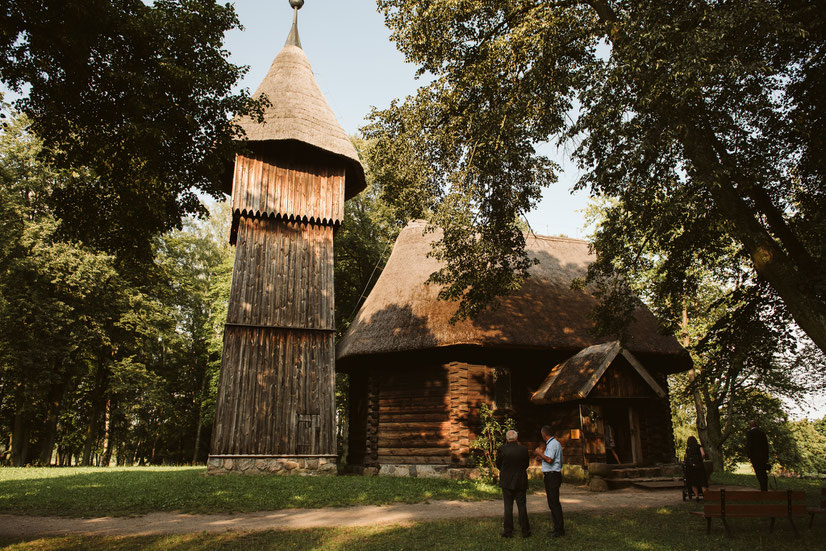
695,471
757,450
551,457
512,461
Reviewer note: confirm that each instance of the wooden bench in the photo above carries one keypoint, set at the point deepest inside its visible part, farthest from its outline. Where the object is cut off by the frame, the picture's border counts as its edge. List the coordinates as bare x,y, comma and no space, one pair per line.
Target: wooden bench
822,509
724,505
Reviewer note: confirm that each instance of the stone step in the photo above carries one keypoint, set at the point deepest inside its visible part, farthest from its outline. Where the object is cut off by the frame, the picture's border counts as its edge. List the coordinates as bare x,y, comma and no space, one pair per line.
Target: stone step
669,484
652,483
648,472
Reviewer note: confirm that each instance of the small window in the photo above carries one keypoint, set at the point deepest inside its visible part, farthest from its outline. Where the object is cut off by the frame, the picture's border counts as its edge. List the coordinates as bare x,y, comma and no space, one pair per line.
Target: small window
502,388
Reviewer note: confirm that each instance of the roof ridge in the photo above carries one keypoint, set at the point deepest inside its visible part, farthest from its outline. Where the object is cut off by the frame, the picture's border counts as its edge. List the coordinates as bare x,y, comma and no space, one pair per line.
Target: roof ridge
559,238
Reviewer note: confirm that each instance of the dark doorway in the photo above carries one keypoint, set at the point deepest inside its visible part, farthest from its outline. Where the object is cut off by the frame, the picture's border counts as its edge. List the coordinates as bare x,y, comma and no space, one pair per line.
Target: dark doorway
616,416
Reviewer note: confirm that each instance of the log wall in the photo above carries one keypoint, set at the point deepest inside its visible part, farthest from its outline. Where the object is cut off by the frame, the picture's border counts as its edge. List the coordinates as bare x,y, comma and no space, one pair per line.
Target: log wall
427,412
413,424
656,430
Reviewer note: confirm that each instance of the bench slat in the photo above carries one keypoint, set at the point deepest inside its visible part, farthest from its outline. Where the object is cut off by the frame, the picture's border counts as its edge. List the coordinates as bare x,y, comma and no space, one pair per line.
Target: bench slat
774,496
763,510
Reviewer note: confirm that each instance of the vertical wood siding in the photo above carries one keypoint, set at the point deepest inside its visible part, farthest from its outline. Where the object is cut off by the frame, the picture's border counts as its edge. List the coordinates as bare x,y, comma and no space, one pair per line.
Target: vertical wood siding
283,275
264,187
276,392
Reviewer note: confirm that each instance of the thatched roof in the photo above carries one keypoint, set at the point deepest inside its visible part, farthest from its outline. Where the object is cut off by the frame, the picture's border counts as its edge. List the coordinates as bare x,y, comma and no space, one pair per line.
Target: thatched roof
403,314
574,378
299,113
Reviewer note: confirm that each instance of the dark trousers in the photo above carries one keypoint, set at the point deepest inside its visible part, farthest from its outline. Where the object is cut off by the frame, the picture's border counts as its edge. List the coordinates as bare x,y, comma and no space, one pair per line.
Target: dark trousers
518,496
761,473
553,480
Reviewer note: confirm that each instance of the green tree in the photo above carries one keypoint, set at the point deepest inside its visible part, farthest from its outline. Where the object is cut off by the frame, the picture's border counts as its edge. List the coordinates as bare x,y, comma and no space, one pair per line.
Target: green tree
699,117
60,301
140,93
92,363
811,446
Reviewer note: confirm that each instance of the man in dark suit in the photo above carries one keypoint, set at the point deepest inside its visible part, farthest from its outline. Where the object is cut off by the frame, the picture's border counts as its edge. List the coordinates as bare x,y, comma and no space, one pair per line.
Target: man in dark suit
757,450
512,462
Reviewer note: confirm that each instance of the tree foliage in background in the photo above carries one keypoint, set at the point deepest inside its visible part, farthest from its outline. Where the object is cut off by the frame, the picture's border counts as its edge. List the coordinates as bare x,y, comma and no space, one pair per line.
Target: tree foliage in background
95,366
138,93
703,119
364,242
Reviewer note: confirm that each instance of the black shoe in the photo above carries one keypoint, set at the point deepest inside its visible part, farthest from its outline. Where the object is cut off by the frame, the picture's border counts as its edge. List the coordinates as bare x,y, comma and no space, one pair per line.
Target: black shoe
526,535
557,534
506,535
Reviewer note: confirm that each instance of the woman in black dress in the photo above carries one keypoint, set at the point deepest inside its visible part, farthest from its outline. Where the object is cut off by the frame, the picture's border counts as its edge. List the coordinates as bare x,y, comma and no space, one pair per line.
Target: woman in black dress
695,472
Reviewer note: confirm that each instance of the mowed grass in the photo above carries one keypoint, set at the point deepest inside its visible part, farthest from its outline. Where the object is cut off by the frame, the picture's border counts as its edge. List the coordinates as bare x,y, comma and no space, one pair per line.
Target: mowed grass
85,492
647,529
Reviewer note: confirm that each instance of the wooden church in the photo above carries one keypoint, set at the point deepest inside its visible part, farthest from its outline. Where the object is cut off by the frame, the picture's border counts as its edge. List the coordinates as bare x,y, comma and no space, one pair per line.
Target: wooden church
275,409
417,382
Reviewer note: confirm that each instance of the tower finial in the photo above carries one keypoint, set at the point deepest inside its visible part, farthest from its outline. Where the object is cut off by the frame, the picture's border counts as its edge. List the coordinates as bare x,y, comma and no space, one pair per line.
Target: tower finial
293,39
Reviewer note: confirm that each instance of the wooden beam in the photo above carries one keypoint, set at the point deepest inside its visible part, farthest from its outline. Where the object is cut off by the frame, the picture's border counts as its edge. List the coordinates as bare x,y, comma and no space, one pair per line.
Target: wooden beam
644,373
599,371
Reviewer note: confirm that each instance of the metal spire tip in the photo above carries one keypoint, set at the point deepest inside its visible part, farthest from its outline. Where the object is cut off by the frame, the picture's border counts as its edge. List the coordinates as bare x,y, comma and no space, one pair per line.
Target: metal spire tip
293,38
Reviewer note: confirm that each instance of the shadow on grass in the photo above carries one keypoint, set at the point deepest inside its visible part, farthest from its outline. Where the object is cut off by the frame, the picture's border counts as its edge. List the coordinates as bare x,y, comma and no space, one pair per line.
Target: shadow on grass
651,529
118,492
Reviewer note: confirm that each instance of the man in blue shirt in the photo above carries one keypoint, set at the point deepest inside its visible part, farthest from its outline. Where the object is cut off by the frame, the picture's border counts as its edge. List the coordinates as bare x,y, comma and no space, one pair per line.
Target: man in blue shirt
552,471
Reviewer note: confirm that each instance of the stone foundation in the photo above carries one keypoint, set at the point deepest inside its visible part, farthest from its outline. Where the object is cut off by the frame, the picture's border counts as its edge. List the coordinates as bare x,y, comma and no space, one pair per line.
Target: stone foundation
272,465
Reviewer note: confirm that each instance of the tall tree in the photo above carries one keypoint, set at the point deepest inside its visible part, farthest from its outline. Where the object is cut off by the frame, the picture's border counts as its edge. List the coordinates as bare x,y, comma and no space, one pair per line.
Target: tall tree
140,93
92,363
701,117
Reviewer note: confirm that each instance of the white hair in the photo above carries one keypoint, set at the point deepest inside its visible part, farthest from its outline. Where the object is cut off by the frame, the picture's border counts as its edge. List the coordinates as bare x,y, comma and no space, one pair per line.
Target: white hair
511,435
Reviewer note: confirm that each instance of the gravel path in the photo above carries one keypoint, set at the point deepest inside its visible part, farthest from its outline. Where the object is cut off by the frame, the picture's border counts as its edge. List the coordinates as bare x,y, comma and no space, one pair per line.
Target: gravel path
573,499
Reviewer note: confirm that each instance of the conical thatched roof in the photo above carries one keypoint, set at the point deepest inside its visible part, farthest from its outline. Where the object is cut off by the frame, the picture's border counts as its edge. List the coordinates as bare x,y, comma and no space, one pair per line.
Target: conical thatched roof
299,113
403,314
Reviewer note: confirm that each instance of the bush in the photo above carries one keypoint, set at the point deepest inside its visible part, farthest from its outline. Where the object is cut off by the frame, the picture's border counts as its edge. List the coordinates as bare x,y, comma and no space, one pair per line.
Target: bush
484,447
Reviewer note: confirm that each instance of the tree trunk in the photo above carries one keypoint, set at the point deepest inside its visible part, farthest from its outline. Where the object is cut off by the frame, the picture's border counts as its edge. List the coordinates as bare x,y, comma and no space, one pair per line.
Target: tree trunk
199,426
713,441
19,440
56,395
107,435
94,416
791,281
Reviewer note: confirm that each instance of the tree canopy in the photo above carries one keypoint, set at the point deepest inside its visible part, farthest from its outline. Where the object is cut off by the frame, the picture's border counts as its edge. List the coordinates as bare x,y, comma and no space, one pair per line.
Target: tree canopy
140,95
701,119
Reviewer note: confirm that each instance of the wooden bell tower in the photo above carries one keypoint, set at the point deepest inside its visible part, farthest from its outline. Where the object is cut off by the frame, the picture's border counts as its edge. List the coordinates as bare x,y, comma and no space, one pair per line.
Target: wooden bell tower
276,394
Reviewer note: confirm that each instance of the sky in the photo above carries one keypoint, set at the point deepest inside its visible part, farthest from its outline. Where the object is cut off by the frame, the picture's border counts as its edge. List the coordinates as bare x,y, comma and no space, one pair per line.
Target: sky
358,68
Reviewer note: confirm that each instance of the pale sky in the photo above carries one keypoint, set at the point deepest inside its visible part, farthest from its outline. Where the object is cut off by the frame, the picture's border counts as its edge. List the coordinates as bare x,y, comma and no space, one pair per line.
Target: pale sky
357,67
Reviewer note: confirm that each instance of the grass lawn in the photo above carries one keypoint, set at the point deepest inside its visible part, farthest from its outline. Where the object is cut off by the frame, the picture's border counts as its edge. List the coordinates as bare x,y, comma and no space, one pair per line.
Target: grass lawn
89,491
649,530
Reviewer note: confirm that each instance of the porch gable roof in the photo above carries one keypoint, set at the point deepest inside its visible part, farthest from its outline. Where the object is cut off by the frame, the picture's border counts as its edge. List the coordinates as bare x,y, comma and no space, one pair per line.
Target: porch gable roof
574,378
